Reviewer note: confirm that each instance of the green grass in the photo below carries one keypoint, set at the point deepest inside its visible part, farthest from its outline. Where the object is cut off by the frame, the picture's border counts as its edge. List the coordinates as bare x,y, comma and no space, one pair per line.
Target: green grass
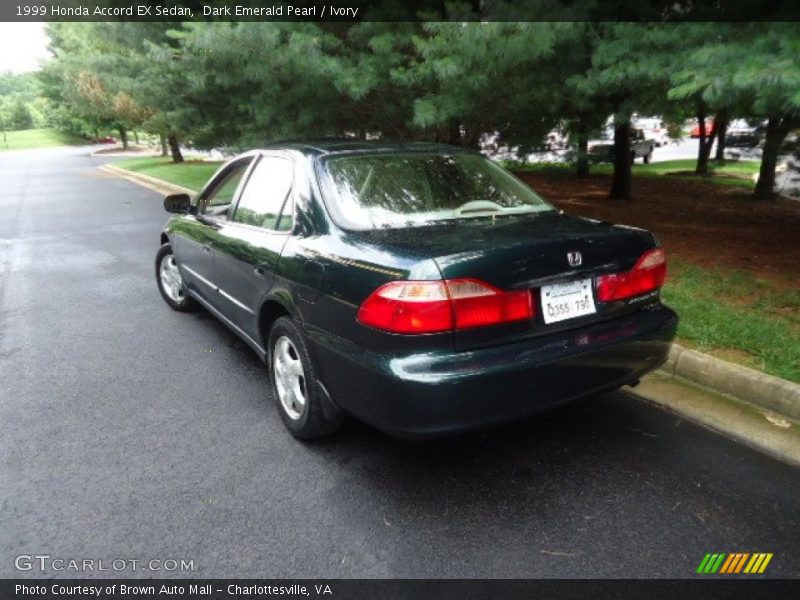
737,317
37,138
734,173
192,174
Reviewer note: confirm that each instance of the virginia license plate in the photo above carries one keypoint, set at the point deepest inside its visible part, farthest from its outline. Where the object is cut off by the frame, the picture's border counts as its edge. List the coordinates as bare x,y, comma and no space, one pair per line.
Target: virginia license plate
562,301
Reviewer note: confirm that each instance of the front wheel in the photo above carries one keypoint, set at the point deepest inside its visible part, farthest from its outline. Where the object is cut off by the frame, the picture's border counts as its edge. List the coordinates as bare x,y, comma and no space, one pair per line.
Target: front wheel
170,282
294,383
648,157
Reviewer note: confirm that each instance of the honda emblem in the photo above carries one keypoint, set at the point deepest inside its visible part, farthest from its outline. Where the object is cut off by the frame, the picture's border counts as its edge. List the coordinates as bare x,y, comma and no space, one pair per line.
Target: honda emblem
574,259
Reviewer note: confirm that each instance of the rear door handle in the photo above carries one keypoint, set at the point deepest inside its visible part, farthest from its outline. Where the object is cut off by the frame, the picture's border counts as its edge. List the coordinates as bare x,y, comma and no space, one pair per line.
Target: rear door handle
207,247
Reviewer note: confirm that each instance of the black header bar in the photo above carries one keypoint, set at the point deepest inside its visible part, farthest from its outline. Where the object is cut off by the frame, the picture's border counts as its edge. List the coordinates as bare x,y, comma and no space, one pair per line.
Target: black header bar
395,10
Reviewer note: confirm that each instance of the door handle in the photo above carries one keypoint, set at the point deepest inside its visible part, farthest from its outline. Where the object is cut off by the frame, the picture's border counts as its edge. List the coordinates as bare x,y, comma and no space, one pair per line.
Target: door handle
261,270
207,247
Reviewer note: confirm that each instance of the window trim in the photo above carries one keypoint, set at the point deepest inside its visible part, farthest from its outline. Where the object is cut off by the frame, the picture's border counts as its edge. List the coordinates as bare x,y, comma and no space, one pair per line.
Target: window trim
290,197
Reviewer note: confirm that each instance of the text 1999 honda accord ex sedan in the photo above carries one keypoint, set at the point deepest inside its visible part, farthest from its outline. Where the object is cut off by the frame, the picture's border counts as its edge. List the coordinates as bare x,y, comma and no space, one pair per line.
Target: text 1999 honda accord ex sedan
420,288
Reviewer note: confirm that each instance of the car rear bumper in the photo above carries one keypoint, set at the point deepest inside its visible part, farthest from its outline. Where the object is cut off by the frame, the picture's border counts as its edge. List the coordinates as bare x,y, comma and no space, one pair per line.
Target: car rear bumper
430,394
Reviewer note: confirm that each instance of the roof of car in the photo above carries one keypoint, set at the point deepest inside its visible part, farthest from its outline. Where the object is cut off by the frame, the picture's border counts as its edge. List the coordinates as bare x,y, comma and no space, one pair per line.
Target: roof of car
320,146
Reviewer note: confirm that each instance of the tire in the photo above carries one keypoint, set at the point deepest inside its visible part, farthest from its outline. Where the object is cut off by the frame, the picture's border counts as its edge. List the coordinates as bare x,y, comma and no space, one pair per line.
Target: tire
172,290
288,352
648,157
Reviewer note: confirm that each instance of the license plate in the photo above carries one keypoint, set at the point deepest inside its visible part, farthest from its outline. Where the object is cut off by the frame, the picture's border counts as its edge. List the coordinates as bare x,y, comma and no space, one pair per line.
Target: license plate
562,301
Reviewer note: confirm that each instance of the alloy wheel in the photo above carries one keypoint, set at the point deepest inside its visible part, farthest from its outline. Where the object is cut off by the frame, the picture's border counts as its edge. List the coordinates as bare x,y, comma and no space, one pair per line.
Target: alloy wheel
171,280
289,378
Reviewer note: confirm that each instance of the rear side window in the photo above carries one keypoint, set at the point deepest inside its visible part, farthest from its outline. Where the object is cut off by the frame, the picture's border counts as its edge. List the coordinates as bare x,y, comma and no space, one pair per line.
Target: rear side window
264,195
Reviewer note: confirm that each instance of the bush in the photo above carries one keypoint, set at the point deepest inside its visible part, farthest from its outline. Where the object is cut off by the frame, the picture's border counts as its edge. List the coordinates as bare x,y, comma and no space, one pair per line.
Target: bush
20,117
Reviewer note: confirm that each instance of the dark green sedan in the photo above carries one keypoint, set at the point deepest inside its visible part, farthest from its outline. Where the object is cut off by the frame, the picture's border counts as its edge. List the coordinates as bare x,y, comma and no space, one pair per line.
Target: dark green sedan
417,287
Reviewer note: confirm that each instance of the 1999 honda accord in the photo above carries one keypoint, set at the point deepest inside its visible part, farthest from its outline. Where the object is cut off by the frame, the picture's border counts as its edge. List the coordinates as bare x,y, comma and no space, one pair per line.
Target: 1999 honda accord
420,288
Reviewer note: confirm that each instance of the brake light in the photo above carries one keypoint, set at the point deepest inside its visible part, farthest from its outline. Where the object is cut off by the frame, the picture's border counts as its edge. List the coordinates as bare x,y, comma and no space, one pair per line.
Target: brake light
647,275
444,305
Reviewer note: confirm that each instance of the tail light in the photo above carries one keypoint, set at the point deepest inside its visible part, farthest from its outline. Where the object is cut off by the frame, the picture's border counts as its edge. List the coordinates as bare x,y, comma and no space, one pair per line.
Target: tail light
444,305
647,275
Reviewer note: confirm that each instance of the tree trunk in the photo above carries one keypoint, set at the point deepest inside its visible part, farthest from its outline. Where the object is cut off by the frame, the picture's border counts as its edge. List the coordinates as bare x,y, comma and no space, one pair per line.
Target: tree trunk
582,164
704,143
777,129
722,122
123,137
163,139
136,137
621,180
175,149
454,134
473,138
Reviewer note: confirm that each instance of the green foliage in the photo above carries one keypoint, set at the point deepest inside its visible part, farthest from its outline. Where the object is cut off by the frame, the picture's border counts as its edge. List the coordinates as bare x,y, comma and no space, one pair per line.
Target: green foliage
24,86
20,116
97,73
19,94
243,84
475,78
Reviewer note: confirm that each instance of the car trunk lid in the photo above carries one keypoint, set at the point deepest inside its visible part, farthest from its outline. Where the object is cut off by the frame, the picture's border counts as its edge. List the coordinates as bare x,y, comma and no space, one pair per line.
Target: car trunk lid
517,253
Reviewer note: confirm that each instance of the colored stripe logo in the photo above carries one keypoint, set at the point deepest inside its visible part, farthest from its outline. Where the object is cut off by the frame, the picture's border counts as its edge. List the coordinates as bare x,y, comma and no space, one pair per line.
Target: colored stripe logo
734,563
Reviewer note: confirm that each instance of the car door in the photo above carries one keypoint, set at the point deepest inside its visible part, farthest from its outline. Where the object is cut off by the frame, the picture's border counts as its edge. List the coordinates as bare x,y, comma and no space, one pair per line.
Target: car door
251,240
197,233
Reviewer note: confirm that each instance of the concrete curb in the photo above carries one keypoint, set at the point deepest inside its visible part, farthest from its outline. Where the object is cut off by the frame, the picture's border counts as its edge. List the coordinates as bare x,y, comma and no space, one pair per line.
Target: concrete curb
153,183
739,421
756,388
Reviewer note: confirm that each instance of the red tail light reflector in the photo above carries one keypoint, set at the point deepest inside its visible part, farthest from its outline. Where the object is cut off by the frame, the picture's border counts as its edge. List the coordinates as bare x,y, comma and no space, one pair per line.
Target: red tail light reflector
444,305
647,275
477,304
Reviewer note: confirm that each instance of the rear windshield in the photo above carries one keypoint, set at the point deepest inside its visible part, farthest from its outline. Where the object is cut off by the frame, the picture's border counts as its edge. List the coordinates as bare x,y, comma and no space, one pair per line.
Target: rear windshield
405,190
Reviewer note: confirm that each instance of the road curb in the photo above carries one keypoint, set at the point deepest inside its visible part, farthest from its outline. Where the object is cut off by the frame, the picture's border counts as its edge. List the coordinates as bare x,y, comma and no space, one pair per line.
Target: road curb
756,388
737,420
153,183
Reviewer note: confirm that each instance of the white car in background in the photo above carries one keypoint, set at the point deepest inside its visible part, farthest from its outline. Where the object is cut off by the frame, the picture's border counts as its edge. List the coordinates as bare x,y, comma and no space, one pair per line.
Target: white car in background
602,150
654,129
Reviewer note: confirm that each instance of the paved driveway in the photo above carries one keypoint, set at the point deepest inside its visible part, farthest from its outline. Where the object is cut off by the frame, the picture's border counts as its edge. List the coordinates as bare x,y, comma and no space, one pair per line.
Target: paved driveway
131,431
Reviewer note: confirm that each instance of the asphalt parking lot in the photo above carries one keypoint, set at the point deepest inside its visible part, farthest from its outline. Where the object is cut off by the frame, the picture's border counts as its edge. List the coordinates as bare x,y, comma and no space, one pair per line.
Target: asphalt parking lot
130,431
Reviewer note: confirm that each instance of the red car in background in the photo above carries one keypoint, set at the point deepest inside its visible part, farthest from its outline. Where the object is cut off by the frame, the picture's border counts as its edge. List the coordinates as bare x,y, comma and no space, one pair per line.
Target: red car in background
710,128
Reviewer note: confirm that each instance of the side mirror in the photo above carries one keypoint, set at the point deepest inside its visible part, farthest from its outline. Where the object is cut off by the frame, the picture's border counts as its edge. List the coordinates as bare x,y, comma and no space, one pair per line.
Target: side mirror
177,203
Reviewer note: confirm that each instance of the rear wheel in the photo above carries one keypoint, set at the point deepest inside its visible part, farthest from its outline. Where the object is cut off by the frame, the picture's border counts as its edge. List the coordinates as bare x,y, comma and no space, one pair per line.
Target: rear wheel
294,383
170,281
